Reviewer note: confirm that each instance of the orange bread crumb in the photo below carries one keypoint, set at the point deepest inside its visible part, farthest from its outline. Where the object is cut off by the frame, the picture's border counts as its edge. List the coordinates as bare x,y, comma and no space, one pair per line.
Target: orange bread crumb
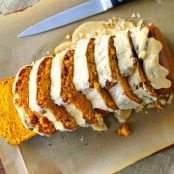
124,130
11,127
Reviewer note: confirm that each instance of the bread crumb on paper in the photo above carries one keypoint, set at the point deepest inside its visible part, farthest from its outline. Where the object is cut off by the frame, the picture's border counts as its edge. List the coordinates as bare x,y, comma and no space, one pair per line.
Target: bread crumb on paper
48,53
133,15
68,36
82,138
146,111
169,101
124,130
138,15
158,107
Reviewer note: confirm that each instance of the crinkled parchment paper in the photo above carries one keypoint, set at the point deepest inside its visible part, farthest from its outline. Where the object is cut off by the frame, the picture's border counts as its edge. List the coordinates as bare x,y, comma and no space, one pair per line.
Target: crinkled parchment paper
82,151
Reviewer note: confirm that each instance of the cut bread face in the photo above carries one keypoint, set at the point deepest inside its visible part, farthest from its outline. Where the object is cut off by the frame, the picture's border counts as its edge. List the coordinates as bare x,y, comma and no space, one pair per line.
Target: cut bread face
11,126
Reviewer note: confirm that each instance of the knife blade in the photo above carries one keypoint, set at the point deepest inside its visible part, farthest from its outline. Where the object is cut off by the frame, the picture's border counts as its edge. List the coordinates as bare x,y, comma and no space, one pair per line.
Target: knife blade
71,15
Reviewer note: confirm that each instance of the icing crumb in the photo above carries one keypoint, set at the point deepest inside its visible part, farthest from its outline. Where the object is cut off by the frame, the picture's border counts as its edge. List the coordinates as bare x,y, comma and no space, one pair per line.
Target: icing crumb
138,15
68,37
124,130
133,15
140,23
82,138
48,53
150,23
110,20
146,112
163,102
67,143
169,101
80,35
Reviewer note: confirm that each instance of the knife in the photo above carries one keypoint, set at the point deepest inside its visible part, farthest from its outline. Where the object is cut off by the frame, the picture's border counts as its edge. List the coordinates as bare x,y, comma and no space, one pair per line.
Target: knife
71,15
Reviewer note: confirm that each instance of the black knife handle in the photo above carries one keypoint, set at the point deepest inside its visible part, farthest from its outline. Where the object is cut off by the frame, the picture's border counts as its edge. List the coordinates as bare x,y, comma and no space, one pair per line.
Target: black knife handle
118,2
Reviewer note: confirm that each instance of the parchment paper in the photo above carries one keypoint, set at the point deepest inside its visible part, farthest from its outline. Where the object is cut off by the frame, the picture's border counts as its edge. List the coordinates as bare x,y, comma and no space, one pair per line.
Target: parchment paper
83,151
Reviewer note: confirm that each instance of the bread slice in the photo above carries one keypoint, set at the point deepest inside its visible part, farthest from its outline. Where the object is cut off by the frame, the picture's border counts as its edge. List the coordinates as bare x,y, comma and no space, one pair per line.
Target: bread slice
31,120
11,126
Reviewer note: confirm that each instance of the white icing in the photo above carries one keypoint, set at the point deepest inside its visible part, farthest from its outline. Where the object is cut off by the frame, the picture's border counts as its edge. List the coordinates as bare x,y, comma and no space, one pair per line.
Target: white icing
77,114
96,99
33,87
149,49
140,91
81,75
121,100
123,114
142,40
99,126
155,73
124,53
102,63
33,98
96,28
139,38
134,32
22,114
21,111
56,77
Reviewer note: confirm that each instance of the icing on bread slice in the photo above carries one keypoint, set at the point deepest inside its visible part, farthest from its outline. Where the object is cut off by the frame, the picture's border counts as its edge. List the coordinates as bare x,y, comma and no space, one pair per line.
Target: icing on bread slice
31,120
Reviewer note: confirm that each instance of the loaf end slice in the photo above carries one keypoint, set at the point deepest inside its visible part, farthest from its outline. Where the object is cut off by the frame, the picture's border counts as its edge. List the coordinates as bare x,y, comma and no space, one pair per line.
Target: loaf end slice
11,127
